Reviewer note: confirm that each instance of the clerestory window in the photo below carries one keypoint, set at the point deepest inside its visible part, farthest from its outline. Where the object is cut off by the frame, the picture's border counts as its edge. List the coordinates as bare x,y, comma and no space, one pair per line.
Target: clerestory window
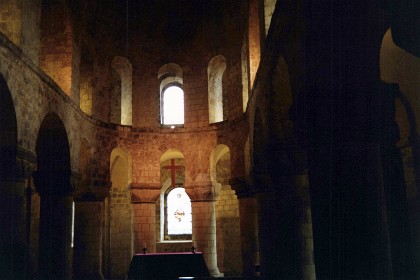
173,105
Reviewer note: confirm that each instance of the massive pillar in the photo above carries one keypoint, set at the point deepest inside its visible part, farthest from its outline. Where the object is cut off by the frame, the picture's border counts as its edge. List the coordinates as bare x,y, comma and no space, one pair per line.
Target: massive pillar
280,240
55,224
394,185
339,112
12,249
88,232
144,217
248,223
204,224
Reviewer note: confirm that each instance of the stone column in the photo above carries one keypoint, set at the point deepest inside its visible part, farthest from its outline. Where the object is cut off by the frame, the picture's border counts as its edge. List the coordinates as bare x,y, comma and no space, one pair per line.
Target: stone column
204,224
415,204
248,224
12,249
144,217
338,110
88,227
55,223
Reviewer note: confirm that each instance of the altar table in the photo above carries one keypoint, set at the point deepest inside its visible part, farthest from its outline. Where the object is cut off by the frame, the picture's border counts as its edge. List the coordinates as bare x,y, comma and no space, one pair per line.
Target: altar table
167,266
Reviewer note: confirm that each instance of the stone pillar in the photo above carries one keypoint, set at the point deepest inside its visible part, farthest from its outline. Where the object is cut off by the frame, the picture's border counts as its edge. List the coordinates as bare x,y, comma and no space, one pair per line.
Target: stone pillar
415,205
144,217
12,243
394,185
55,223
248,224
336,114
88,227
280,240
204,224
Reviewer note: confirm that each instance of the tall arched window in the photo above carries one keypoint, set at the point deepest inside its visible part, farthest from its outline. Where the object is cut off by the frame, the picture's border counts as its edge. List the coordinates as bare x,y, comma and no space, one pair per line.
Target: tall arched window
171,95
121,96
215,70
174,206
178,213
173,105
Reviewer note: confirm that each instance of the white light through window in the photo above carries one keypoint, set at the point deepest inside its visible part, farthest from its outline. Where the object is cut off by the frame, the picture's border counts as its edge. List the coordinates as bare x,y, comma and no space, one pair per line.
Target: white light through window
179,212
173,105
72,225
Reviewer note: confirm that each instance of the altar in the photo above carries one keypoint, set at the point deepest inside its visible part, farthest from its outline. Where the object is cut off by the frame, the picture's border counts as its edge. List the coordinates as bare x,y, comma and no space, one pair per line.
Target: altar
167,266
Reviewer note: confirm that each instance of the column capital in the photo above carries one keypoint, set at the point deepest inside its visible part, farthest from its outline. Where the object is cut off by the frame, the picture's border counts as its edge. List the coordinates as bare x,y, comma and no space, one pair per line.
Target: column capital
20,164
144,193
56,182
201,191
243,187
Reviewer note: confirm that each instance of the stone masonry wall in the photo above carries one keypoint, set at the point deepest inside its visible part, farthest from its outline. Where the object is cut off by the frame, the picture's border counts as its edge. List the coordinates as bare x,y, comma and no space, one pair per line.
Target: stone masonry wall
11,19
228,232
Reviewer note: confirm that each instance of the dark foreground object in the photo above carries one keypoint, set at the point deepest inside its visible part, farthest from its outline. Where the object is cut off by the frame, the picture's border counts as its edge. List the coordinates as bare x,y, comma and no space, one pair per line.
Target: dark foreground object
167,266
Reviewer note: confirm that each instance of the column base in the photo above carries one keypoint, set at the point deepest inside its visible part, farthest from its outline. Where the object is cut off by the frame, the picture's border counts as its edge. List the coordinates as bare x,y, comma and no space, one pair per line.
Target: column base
214,272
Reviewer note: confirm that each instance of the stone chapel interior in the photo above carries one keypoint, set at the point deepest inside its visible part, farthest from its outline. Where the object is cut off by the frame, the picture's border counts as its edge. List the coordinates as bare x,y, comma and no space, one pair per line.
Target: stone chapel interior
280,138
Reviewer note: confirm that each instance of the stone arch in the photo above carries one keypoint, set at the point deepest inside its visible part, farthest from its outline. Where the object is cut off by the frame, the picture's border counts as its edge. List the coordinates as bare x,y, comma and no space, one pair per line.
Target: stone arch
52,180
221,151
11,203
56,50
171,76
120,169
171,177
119,247
215,71
121,95
8,132
227,213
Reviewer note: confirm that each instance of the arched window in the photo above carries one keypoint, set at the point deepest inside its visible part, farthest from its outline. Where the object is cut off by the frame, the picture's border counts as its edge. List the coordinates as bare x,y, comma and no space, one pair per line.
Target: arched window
121,95
171,94
215,70
174,206
178,214
173,105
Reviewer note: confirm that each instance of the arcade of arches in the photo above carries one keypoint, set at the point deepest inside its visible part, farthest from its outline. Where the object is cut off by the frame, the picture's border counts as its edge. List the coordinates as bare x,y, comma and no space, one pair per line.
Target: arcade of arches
298,153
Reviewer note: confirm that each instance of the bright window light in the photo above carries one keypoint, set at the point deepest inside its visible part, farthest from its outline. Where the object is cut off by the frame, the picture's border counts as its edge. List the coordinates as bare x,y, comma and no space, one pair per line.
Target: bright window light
179,212
173,105
72,225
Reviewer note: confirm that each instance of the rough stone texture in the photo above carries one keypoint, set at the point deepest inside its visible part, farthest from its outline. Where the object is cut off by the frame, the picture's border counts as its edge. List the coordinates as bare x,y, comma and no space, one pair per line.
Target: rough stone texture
74,44
144,229
204,233
121,246
228,232
11,20
56,45
88,239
